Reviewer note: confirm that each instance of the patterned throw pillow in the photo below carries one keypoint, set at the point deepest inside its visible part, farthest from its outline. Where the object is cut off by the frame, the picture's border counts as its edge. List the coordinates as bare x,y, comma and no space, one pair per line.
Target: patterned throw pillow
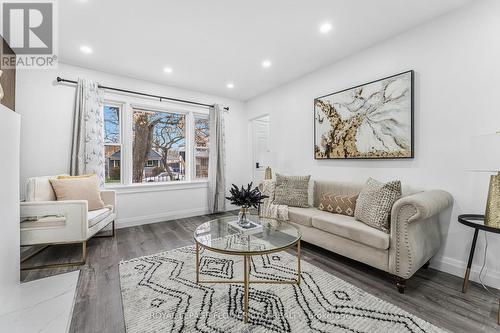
338,204
291,190
375,202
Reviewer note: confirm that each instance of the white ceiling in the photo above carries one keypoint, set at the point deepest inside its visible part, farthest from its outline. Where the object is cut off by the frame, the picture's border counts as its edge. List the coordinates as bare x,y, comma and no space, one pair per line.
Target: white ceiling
209,43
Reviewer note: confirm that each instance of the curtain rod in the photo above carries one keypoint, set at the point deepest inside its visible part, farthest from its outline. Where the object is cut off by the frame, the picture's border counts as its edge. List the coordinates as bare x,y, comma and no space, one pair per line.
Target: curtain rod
161,98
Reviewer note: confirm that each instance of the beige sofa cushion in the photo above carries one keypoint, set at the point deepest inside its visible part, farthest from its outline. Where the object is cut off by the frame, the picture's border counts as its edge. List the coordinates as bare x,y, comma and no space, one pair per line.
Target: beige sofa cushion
348,227
338,204
302,216
76,177
292,190
79,189
375,202
339,188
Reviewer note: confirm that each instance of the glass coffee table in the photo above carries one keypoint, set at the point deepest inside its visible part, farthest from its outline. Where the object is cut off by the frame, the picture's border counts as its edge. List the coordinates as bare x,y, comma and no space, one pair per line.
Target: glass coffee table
219,236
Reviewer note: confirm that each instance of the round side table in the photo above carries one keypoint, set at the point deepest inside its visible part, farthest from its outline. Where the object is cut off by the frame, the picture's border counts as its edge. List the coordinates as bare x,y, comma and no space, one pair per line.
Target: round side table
477,222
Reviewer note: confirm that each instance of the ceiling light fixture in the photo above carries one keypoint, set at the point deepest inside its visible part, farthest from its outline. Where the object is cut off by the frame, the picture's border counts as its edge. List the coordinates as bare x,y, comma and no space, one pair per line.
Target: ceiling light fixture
230,85
167,70
325,28
266,63
85,49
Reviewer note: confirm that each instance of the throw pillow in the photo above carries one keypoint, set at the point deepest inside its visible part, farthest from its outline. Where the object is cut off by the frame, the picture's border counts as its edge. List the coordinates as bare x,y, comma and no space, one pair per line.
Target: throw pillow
375,202
79,189
338,204
291,190
75,177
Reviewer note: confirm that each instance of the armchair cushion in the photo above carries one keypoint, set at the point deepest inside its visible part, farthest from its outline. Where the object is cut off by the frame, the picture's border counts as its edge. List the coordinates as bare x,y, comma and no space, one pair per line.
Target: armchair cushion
79,189
98,215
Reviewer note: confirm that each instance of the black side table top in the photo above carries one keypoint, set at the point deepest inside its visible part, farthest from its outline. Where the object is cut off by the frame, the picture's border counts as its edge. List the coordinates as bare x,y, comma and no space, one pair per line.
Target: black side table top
477,222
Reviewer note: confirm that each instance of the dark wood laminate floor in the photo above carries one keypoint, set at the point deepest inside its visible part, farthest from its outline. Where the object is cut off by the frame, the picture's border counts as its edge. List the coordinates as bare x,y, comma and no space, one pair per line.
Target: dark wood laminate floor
432,295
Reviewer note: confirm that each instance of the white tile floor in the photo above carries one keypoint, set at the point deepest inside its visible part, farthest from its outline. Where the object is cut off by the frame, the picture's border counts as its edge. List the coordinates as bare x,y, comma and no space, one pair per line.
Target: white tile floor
44,305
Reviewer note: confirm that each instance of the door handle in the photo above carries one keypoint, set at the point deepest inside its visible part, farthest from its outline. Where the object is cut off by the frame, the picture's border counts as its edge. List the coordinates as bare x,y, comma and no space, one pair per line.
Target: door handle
257,165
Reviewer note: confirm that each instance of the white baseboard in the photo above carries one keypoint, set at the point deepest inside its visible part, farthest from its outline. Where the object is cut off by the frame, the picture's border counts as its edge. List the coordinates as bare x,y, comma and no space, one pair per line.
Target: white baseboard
457,267
154,218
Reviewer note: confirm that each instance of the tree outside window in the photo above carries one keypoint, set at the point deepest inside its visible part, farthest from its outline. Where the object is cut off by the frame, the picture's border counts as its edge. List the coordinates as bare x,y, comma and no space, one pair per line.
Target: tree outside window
159,146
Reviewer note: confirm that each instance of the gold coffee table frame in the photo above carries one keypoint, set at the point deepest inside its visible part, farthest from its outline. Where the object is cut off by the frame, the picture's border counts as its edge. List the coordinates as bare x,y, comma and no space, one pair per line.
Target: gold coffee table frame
247,256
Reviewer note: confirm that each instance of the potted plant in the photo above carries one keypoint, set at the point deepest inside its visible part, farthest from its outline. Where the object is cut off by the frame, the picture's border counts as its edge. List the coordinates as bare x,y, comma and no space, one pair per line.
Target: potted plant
245,198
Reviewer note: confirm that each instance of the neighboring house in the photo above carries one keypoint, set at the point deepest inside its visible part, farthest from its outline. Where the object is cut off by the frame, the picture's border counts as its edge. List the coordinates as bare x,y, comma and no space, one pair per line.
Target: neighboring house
201,161
201,156
176,160
154,160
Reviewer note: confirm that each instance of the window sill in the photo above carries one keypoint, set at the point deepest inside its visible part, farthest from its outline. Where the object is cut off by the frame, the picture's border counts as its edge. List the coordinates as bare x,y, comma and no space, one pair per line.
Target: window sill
157,187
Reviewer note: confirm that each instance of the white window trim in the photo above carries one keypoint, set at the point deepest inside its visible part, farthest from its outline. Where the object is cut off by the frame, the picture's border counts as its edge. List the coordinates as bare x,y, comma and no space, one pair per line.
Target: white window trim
126,131
157,187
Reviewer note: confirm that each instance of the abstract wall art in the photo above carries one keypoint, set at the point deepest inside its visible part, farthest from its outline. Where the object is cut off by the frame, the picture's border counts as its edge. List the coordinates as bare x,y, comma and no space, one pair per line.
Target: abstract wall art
369,121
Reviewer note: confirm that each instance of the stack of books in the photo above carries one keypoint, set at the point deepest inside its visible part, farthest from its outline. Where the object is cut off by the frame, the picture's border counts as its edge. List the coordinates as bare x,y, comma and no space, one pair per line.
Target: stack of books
252,227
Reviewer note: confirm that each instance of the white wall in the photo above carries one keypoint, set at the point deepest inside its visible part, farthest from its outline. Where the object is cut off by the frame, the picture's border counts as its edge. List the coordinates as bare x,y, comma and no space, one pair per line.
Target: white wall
457,84
47,114
9,201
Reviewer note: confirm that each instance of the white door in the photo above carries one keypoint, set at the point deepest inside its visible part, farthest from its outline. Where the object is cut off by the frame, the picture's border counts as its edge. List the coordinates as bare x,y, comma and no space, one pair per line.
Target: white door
260,143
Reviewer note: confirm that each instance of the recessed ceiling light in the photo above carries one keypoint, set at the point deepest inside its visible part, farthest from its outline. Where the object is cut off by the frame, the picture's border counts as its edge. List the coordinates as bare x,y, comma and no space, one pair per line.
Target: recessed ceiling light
167,70
230,85
266,63
85,49
325,27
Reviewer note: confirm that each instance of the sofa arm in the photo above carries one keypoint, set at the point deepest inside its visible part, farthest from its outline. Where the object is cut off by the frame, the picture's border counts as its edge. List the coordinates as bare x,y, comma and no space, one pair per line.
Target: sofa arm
44,208
425,204
109,198
415,236
73,229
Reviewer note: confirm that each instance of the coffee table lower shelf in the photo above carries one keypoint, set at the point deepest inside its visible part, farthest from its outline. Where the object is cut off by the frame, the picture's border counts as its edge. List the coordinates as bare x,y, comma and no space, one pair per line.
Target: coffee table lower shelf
246,272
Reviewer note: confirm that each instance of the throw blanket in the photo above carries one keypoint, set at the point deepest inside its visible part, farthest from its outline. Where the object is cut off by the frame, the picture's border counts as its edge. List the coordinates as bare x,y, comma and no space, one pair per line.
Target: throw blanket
268,209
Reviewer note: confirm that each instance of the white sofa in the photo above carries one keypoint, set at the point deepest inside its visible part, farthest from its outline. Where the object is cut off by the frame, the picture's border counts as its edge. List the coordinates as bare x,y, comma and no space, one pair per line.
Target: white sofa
413,240
46,221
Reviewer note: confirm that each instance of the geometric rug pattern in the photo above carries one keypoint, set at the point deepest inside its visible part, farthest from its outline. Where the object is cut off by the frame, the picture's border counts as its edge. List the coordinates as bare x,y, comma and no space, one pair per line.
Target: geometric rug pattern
160,294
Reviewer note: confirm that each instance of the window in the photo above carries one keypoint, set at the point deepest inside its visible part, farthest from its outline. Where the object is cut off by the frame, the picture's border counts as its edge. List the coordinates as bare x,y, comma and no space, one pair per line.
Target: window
112,143
159,146
201,136
154,144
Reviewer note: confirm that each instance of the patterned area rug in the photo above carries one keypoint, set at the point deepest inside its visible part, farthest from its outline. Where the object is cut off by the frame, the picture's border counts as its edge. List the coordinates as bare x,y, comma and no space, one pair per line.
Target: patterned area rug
160,295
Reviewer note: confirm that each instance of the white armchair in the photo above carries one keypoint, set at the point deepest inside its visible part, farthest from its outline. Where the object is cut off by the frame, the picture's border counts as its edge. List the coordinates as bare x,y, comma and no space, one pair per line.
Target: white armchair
46,221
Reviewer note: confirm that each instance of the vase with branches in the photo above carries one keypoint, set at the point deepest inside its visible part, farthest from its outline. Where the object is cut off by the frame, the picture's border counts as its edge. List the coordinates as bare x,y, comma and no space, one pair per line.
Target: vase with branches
245,198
